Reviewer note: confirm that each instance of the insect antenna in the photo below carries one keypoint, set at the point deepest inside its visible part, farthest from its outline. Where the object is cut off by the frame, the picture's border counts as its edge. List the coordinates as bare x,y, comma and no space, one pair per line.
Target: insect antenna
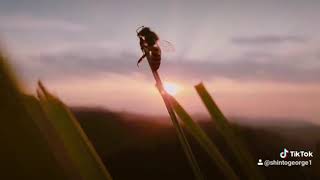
140,27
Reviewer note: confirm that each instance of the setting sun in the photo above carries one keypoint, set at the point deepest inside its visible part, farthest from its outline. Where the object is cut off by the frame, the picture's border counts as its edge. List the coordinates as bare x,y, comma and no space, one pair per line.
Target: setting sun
172,88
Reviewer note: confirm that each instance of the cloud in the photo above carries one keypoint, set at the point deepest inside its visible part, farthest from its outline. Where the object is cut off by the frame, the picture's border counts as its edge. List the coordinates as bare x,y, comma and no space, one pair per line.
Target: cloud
268,39
25,22
68,65
276,70
60,66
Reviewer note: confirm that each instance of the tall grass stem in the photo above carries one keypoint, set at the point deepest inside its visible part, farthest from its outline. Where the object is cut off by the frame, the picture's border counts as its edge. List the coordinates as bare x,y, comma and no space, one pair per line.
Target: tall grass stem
181,135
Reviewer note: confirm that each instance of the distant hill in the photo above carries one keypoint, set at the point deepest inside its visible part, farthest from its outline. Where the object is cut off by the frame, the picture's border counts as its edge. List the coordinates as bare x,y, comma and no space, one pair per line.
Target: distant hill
144,147
304,132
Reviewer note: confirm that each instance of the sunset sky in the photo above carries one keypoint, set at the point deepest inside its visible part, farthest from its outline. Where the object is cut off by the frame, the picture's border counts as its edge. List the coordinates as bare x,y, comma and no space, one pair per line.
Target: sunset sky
257,58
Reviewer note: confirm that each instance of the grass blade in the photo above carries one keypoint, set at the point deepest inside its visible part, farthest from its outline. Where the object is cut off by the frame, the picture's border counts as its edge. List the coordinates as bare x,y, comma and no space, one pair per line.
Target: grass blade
233,140
54,140
76,142
182,138
203,140
24,152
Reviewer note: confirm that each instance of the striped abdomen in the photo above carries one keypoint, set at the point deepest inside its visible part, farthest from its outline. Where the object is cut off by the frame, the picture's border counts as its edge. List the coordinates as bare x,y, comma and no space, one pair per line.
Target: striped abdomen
155,54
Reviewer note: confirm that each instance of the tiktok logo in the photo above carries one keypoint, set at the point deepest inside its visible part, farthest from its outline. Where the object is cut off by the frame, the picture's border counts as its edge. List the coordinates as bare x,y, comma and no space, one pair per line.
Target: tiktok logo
284,153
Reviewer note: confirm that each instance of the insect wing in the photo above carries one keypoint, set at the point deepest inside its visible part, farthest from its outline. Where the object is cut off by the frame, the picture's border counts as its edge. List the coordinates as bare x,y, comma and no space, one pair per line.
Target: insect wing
166,46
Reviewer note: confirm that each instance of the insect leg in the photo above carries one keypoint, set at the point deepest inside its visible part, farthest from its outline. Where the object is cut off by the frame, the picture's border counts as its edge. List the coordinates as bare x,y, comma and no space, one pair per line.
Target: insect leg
143,56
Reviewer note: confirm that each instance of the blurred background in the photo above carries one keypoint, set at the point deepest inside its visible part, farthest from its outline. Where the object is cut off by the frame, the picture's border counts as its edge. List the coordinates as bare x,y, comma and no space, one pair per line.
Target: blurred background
259,60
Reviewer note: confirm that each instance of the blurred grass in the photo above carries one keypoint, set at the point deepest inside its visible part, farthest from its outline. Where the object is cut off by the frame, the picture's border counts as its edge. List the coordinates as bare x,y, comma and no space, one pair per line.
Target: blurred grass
232,139
78,146
203,140
41,139
25,154
54,140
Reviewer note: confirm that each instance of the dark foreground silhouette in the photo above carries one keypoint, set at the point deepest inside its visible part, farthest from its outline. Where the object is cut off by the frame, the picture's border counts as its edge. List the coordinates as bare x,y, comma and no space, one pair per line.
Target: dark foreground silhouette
143,147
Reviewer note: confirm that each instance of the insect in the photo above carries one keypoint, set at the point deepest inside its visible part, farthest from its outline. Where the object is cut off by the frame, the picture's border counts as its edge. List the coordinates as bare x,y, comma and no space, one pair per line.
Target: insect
150,41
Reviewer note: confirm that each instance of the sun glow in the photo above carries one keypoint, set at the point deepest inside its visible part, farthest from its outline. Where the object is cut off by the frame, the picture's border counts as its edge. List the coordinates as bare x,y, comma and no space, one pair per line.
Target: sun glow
172,88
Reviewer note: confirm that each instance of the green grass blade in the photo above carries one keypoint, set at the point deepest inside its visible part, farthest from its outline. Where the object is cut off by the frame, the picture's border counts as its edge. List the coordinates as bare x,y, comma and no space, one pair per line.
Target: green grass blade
182,137
76,142
24,152
54,140
233,140
203,140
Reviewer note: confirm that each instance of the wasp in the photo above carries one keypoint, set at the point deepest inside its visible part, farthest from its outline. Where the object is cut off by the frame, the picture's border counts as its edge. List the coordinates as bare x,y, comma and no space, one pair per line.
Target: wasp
150,40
